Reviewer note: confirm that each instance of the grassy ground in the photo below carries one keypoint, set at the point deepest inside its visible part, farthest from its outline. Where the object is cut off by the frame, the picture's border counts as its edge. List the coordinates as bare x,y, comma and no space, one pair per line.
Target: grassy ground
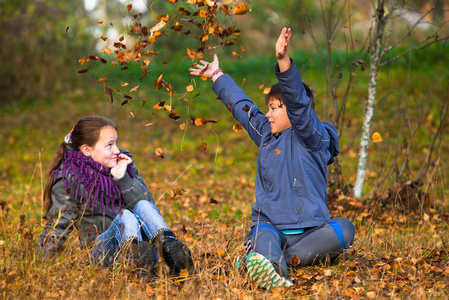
398,253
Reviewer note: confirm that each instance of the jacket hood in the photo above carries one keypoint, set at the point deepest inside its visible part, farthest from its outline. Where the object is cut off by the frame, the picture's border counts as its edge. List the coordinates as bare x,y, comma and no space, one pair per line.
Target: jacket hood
334,147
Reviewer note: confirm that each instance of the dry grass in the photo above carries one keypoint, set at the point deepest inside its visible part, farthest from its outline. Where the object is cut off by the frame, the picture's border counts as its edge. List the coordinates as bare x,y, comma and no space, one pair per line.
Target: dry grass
395,256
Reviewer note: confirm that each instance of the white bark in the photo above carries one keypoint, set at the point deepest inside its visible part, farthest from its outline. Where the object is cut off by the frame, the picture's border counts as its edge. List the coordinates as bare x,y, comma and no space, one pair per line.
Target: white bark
375,58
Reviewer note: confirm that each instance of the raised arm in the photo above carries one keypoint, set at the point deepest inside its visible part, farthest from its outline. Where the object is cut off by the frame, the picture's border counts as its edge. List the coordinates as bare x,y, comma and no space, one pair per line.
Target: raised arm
233,97
282,48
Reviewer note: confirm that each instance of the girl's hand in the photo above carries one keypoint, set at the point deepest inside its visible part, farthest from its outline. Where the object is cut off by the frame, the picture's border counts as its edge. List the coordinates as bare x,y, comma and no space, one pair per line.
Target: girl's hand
122,163
210,70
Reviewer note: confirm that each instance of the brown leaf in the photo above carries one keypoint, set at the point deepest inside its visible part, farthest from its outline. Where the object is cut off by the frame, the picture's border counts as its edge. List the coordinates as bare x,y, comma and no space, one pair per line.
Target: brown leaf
203,146
174,115
108,91
129,7
246,108
295,261
213,201
103,37
83,71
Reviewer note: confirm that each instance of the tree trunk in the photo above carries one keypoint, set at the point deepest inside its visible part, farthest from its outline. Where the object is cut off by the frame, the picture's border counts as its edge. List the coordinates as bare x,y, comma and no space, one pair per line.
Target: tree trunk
375,58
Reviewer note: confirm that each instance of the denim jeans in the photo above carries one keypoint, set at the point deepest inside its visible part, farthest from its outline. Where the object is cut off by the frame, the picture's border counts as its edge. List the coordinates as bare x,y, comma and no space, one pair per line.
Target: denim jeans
126,226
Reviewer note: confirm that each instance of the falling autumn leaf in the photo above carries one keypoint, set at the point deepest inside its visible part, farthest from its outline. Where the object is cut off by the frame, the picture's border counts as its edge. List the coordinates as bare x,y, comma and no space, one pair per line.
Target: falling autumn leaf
213,201
237,127
376,137
134,89
129,7
189,88
81,61
277,151
102,80
220,252
203,146
104,38
182,126
267,90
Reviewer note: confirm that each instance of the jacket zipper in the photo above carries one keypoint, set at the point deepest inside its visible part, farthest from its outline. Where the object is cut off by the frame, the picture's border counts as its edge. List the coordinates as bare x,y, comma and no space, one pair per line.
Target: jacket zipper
297,195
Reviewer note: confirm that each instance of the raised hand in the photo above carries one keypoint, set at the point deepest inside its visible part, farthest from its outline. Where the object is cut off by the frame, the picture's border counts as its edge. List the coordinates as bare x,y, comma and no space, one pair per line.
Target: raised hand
209,70
281,48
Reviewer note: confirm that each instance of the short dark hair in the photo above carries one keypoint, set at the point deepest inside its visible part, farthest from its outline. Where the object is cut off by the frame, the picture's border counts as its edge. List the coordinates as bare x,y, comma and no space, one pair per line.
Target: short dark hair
276,93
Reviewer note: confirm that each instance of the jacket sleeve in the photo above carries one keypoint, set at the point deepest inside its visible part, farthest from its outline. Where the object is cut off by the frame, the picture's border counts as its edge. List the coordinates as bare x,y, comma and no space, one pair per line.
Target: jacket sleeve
303,118
242,108
133,189
60,222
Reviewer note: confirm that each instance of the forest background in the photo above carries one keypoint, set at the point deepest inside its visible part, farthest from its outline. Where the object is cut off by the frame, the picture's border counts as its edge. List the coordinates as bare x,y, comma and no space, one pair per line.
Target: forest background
197,162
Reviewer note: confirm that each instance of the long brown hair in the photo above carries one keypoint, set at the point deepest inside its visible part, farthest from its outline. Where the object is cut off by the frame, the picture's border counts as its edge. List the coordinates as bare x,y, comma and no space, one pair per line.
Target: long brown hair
86,132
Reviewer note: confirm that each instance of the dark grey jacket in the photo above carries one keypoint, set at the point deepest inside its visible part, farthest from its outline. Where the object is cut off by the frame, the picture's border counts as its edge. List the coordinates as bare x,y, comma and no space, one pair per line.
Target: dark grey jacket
67,213
291,185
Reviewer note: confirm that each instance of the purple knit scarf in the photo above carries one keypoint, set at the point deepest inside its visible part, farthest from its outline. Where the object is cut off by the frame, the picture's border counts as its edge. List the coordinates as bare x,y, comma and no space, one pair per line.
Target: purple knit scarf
78,169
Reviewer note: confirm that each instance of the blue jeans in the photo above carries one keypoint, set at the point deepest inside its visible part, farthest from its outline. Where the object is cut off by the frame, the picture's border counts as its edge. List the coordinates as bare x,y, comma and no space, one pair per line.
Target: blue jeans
126,226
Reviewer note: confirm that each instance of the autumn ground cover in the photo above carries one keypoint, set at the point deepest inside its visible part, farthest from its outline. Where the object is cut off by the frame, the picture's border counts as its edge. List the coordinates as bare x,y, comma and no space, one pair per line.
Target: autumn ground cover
204,187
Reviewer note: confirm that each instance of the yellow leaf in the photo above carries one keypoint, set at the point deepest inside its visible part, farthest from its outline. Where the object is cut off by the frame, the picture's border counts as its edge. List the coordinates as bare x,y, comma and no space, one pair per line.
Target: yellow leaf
124,84
267,90
131,113
189,88
134,89
148,124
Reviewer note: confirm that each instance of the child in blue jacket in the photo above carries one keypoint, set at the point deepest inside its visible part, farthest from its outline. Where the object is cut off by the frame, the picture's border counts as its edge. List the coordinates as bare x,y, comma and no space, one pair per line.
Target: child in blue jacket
291,224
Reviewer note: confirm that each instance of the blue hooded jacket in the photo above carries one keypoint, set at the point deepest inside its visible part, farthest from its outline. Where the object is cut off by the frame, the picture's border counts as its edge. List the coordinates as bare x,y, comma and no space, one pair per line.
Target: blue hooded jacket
291,184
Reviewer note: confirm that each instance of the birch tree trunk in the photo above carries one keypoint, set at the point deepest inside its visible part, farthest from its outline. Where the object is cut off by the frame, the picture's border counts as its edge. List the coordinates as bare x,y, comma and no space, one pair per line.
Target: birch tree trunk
375,58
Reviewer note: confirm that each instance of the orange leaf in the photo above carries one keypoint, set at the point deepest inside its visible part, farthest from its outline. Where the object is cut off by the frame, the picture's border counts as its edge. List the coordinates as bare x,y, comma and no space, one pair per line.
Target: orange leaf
267,90
82,61
184,273
104,38
277,151
134,89
129,7
240,8
102,80
159,152
100,22
203,146
189,88
182,126
220,252
376,137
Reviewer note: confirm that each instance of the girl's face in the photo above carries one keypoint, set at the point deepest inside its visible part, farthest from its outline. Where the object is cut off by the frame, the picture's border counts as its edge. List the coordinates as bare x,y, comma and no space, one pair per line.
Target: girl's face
105,151
277,116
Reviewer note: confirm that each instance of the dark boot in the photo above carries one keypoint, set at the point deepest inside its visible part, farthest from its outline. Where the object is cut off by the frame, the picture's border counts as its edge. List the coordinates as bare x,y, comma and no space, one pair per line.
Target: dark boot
176,254
141,256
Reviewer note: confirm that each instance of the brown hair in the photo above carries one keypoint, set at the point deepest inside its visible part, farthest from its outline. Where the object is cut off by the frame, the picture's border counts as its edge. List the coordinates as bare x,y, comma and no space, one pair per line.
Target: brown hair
86,132
276,93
